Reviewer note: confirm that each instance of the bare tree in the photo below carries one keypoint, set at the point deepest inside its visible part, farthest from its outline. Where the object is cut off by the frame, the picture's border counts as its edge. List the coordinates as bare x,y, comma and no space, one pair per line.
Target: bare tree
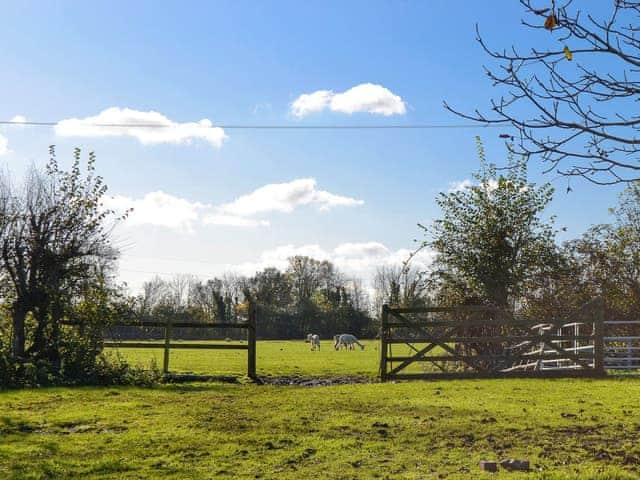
399,285
572,97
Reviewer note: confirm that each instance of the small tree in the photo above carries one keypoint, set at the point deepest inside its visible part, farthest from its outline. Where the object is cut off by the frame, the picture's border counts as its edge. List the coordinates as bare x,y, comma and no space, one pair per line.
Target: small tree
491,239
55,247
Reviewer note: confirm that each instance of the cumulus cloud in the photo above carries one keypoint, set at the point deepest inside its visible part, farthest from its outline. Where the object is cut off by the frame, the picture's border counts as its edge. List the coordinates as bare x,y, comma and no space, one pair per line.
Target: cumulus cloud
4,141
158,208
18,119
147,127
459,186
285,197
366,97
360,259
311,102
467,183
4,145
234,221
163,209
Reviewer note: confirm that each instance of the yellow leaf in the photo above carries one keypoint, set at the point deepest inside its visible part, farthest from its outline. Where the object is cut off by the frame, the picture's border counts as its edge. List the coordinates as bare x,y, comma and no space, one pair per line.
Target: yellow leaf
567,53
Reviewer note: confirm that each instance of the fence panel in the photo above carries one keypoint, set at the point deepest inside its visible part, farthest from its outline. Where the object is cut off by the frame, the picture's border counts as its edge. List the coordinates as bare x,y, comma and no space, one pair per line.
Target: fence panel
476,341
169,330
622,345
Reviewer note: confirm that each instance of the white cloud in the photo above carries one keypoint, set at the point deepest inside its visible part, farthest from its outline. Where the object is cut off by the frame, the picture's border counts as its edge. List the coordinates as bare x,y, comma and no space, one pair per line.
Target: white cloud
4,145
154,127
360,259
158,208
311,102
366,97
4,141
285,197
233,221
459,186
18,119
163,209
262,107
467,183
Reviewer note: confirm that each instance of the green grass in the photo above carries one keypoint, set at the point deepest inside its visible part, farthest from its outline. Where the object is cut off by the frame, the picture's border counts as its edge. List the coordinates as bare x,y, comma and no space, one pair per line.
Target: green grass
274,357
568,429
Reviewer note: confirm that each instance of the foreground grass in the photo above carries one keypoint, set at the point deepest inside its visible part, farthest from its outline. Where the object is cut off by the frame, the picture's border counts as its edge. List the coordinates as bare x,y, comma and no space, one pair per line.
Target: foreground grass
582,429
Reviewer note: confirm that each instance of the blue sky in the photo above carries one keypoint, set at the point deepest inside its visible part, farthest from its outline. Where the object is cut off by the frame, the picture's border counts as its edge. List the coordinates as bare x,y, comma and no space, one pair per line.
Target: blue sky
246,63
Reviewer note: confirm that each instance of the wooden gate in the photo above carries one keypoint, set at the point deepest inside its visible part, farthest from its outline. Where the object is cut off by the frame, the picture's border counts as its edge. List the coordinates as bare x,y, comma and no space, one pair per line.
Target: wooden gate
476,341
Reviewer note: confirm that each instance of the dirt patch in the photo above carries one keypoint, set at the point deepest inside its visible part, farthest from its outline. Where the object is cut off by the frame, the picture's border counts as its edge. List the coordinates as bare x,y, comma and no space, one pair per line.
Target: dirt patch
192,377
313,381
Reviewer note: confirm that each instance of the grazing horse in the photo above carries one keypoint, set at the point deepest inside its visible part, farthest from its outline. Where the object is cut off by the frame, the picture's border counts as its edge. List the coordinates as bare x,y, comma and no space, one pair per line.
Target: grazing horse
338,345
346,340
314,339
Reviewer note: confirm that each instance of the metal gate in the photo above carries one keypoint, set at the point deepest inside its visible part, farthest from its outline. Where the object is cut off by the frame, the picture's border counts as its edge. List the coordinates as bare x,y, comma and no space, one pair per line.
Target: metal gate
622,345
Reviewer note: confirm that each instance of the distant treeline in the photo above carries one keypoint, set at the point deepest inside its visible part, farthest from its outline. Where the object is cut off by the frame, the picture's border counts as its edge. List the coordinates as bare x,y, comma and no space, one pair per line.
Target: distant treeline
308,296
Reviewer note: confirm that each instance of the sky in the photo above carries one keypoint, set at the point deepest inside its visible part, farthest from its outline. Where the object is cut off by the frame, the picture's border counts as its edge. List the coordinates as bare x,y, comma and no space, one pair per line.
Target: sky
209,200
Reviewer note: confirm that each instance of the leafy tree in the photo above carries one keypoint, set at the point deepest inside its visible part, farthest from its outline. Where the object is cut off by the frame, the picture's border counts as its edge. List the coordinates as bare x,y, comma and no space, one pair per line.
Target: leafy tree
604,262
570,95
55,246
272,287
491,239
610,255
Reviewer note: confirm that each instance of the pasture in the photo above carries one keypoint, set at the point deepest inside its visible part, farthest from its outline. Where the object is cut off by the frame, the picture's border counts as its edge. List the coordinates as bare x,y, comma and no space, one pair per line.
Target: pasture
274,358
568,429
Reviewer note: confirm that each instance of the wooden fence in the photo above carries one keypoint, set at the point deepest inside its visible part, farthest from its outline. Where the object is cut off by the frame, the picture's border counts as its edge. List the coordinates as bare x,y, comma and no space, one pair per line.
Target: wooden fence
475,341
168,327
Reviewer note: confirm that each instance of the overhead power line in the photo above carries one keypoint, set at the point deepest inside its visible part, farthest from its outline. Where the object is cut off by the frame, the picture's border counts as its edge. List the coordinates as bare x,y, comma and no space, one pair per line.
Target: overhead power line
260,127
151,272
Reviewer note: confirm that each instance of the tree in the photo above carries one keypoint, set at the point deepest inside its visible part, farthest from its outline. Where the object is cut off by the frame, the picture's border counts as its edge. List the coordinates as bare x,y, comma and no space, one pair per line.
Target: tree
491,239
399,285
272,287
604,262
55,247
610,255
572,96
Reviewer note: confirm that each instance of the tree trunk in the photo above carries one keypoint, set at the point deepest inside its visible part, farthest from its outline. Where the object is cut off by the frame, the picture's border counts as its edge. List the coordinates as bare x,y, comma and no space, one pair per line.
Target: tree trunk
40,337
19,314
56,335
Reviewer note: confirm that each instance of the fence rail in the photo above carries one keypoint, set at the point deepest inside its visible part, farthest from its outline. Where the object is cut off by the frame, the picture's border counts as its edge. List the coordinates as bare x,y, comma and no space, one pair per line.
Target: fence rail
167,345
622,351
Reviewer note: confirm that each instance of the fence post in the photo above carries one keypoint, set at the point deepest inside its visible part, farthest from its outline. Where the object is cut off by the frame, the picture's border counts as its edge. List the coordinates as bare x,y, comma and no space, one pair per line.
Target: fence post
251,340
167,346
598,339
384,320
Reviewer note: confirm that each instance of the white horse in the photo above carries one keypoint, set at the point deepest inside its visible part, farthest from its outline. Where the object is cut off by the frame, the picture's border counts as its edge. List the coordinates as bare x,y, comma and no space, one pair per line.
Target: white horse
314,340
346,340
338,345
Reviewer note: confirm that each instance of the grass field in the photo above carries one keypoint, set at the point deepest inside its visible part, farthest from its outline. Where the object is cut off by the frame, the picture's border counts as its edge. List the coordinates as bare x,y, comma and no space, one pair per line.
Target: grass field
274,357
568,429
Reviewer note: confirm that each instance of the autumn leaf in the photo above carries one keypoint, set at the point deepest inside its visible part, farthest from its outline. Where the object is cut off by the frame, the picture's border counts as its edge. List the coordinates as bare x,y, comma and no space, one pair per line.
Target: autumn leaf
567,53
551,22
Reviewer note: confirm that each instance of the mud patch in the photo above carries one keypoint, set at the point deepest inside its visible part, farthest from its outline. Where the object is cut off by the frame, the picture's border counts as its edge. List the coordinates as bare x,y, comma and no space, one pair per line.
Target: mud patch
313,381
